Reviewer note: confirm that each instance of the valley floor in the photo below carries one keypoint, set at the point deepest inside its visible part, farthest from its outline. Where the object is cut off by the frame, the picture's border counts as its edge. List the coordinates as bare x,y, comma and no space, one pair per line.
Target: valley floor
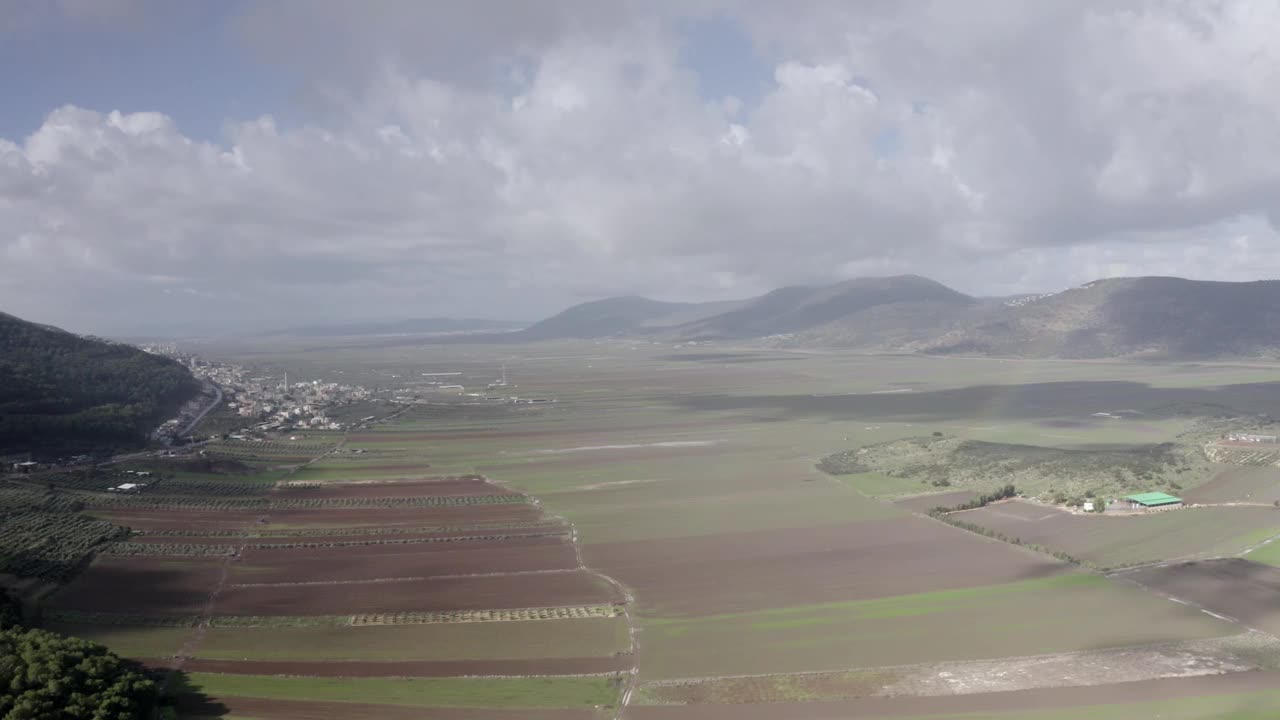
658,544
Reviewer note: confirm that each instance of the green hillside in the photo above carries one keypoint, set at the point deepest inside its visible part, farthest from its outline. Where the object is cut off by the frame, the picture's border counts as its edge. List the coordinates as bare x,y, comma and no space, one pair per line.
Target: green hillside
60,392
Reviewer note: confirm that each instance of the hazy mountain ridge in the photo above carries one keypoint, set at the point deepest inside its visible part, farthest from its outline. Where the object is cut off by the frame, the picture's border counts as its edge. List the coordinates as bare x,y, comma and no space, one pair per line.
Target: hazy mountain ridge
1146,316
1159,317
797,309
414,326
603,318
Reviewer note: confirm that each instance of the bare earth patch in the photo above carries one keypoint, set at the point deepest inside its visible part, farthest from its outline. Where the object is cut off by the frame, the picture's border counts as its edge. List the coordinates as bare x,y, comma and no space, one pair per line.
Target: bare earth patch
1238,653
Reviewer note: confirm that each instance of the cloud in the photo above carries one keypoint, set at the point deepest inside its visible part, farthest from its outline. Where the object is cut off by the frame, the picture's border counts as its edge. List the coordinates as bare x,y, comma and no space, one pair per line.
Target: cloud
472,167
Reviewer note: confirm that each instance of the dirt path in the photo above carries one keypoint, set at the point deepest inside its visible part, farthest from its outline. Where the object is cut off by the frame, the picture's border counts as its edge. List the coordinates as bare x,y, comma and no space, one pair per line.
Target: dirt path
628,603
196,638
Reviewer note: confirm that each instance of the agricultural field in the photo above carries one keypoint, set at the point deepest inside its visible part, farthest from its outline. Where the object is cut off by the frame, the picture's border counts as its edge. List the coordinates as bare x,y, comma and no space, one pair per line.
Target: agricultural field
659,542
1258,485
1112,540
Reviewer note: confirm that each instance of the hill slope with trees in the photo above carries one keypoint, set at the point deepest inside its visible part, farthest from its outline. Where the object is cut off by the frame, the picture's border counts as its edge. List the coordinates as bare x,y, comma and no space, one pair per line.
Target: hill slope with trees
60,392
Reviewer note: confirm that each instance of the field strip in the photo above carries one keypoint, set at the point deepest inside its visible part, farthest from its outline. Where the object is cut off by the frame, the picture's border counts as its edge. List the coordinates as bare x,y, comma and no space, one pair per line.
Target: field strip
603,666
564,612
597,448
427,617
418,578
420,480
1216,656
1195,605
265,504
1197,557
258,533
128,549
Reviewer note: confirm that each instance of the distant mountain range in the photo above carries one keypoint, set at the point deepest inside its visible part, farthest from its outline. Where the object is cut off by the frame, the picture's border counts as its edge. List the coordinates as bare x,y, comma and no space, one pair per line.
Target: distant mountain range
1157,317
417,326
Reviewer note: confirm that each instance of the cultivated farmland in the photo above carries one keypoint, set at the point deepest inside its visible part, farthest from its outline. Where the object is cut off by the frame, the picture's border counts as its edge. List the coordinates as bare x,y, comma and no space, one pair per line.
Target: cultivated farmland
658,543
1119,540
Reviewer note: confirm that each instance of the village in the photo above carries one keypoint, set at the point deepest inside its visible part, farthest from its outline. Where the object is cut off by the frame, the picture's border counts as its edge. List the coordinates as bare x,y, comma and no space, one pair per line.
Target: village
274,403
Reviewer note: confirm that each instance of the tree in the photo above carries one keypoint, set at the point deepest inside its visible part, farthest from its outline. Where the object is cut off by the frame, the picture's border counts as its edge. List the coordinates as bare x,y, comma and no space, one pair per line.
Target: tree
48,676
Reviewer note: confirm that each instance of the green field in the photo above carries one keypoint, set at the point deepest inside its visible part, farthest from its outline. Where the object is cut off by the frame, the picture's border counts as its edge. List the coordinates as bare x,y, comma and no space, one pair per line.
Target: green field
593,637
986,622
1121,541
566,692
1268,554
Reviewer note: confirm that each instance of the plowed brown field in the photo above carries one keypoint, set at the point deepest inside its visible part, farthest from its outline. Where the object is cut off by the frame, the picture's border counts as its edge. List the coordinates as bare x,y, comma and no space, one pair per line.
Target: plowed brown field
466,593
369,562
142,585
1241,589
878,558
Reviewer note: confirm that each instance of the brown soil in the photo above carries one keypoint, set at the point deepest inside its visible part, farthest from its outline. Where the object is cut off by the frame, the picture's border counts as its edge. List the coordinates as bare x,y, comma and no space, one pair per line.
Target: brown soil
405,516
1240,589
722,573
142,585
154,519
513,533
413,668
368,562
468,593
230,540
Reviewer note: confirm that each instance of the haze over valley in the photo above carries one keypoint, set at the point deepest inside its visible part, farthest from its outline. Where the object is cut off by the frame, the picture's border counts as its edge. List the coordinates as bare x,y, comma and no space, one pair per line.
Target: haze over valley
582,360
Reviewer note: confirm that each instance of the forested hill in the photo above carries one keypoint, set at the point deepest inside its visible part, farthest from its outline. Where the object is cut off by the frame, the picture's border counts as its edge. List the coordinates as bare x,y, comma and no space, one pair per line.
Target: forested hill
60,392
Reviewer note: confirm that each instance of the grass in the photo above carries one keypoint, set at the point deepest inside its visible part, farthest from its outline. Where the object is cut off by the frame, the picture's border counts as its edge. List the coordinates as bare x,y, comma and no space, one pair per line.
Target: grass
1013,619
591,637
135,642
1268,554
880,485
561,692
1115,542
896,606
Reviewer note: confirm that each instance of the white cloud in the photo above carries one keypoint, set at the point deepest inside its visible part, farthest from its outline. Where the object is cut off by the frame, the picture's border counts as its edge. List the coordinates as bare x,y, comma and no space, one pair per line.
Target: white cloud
1001,146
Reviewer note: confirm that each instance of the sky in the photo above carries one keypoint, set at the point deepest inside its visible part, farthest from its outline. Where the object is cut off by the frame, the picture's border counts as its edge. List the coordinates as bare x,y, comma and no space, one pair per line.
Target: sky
208,167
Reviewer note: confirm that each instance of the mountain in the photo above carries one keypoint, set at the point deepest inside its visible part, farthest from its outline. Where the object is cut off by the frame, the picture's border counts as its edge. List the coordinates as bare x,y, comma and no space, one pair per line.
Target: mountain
865,309
417,326
60,392
605,318
1154,317
1143,316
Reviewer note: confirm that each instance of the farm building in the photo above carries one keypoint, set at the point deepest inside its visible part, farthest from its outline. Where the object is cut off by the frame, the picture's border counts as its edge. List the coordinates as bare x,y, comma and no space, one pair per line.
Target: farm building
1244,437
1153,501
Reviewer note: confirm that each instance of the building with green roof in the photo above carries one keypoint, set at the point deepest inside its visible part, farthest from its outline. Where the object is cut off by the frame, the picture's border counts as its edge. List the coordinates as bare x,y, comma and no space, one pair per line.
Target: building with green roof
1150,500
